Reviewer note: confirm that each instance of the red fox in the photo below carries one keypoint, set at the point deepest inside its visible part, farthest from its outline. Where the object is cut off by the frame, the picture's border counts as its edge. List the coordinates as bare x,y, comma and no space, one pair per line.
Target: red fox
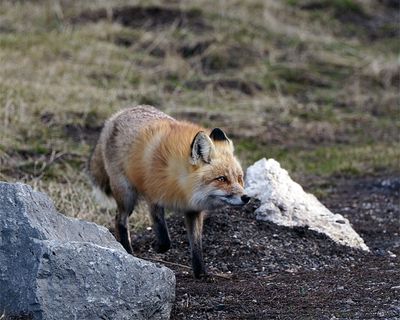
171,164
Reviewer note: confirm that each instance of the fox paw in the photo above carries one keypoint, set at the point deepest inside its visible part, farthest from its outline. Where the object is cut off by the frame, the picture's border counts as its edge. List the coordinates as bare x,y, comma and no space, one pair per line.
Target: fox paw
204,276
161,247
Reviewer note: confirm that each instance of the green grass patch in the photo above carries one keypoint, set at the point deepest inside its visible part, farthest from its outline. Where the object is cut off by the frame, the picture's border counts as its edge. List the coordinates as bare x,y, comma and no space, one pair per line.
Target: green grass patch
297,79
345,6
339,6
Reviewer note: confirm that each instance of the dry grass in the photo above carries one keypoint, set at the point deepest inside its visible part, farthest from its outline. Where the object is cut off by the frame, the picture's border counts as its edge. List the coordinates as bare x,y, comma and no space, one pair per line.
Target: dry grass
319,100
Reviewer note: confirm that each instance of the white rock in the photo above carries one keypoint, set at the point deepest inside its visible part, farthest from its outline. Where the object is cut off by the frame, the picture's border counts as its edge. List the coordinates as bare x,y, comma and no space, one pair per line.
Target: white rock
284,202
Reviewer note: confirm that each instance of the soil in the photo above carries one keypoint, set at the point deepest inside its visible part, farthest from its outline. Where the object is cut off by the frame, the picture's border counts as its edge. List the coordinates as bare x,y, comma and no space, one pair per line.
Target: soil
259,270
146,17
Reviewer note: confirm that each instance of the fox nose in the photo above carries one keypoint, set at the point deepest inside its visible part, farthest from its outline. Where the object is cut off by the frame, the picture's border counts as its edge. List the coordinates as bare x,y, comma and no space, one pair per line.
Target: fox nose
245,198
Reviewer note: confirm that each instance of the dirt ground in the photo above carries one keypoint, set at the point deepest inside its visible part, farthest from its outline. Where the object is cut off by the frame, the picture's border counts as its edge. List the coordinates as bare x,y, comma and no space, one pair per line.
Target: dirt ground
263,271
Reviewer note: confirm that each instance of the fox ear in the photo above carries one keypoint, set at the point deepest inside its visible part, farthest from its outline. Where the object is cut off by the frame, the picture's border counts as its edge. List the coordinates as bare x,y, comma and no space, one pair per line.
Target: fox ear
201,149
218,135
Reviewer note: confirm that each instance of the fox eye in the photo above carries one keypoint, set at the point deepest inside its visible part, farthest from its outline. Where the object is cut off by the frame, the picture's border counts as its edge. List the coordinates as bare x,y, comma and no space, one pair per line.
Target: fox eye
222,179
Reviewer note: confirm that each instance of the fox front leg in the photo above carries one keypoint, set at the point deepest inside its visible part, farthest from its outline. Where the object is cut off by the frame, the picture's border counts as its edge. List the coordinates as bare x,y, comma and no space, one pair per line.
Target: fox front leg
163,242
194,227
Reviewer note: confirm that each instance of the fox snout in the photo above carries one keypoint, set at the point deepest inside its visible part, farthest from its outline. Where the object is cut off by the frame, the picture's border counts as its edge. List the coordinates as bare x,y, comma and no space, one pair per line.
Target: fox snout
245,198
236,200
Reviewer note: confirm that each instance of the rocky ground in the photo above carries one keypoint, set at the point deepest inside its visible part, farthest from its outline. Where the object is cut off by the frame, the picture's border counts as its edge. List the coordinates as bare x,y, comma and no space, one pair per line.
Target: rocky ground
263,271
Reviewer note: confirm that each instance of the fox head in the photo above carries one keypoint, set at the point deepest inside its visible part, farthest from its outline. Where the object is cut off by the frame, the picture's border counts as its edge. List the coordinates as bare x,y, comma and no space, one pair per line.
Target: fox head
217,174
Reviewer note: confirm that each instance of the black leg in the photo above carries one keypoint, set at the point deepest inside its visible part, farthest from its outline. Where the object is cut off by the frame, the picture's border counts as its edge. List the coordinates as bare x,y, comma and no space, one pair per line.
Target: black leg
162,242
194,227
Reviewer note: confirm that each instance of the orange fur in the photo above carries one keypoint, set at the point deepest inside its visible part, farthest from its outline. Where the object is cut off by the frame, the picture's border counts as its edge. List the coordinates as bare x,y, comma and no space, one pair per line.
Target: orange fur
158,163
158,158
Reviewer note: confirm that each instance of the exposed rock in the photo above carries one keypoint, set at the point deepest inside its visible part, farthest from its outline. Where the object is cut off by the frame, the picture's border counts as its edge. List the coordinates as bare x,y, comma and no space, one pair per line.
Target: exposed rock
284,202
55,267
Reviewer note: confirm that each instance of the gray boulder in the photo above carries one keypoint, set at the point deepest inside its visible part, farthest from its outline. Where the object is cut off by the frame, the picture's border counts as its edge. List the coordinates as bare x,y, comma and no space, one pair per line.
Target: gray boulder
55,267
